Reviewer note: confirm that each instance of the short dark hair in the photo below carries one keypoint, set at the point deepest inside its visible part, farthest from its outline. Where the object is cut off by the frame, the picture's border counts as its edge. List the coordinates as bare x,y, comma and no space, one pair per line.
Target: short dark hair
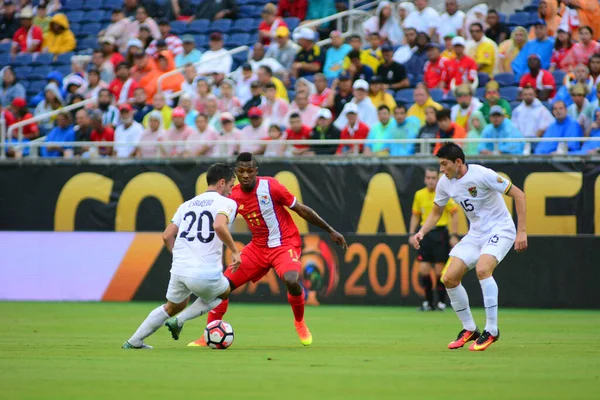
476,24
383,107
219,171
354,54
589,28
374,33
98,50
122,65
431,169
492,11
275,126
105,91
94,71
451,151
270,85
443,114
294,115
400,106
246,157
355,37
267,69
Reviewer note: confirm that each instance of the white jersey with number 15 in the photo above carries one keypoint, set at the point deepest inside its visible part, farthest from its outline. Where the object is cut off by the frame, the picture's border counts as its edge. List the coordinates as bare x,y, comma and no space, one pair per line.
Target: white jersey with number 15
479,193
198,251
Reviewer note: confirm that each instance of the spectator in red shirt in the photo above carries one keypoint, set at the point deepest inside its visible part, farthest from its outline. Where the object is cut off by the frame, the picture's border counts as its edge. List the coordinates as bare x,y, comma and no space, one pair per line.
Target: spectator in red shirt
318,98
539,78
123,86
269,24
101,133
174,44
463,69
110,50
353,130
292,8
435,67
28,38
21,113
298,131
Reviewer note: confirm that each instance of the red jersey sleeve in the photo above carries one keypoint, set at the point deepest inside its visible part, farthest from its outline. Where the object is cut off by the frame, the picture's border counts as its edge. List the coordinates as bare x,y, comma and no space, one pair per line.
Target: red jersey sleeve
281,195
548,80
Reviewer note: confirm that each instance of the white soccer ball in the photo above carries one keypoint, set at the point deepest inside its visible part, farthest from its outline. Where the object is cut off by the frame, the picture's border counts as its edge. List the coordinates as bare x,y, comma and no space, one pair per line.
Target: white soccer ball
218,335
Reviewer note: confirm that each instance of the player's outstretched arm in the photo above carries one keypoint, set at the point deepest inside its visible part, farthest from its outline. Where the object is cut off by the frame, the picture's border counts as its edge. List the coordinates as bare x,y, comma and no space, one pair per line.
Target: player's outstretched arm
430,222
169,236
521,207
222,230
311,216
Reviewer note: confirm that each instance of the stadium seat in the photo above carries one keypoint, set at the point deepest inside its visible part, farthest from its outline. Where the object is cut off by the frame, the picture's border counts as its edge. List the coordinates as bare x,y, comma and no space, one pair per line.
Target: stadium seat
437,94
531,8
42,59
246,11
22,72
64,59
75,28
260,3
22,59
483,79
510,93
240,57
292,23
5,47
559,76
25,84
291,95
480,93
220,25
242,25
514,104
90,29
35,87
89,6
39,72
505,79
93,16
404,96
519,19
5,59
201,40
198,26
502,17
237,39
72,5
89,42
64,69
179,27
111,4
75,17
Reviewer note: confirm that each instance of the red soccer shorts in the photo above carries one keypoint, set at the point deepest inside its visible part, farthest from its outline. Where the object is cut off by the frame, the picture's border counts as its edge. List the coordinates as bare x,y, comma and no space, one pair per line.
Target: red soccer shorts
257,261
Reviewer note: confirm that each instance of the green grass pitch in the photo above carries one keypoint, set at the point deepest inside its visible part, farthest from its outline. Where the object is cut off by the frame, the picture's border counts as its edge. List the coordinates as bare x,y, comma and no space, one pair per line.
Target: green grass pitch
72,351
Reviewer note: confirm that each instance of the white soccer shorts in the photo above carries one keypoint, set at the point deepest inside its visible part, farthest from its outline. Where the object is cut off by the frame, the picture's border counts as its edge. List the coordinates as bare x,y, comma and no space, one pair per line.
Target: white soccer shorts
471,247
181,287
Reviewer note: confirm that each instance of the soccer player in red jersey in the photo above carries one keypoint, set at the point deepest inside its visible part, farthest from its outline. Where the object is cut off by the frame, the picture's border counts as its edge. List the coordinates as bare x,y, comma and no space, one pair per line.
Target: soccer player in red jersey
276,242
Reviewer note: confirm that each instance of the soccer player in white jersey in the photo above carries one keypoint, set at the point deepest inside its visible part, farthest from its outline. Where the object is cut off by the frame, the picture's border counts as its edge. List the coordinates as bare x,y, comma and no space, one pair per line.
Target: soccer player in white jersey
491,235
195,237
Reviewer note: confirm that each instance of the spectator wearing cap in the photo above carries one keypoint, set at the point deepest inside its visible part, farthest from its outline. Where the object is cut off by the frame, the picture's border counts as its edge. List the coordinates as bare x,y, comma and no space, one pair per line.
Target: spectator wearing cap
140,105
452,21
9,23
324,130
28,38
214,10
500,127
461,69
109,50
405,128
548,10
379,96
145,72
174,44
204,132
101,133
539,78
310,57
482,49
228,132
59,39
134,47
190,54
142,17
492,98
257,130
354,129
542,45
357,69
41,17
274,109
497,31
292,8
319,97
127,134
178,132
123,86
563,127
576,110
448,130
531,117
435,69
118,29
510,49
466,105
392,74
21,113
297,131
269,24
340,94
152,134
62,132
227,101
366,110
448,51
53,100
282,49
422,100
215,60
423,18
308,112
382,130
159,103
10,88
255,100
335,55
83,130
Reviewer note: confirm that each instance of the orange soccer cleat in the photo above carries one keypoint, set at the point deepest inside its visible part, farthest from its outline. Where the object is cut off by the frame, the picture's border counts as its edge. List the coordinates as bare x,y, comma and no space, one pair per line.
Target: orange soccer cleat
484,341
198,343
463,337
303,333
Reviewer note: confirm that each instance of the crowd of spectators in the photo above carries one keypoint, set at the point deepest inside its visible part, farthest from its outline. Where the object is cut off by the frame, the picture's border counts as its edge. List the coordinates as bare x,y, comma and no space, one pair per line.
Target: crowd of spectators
412,73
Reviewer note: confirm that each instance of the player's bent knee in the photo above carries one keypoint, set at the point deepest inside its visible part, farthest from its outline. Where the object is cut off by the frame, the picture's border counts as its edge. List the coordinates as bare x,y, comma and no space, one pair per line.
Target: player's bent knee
485,266
424,268
225,295
174,308
291,278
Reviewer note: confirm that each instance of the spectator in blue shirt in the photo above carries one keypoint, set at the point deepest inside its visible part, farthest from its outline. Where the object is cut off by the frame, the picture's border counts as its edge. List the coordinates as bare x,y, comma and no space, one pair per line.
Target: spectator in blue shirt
415,65
500,128
63,132
334,57
190,53
405,128
564,127
593,147
542,45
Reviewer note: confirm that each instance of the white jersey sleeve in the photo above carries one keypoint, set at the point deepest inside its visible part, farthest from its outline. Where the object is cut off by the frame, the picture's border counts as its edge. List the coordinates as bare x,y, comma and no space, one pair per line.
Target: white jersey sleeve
495,182
227,208
441,194
177,217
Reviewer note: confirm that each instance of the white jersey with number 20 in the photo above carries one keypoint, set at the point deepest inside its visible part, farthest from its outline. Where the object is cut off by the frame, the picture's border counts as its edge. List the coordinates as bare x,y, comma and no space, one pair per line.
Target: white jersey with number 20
198,251
479,193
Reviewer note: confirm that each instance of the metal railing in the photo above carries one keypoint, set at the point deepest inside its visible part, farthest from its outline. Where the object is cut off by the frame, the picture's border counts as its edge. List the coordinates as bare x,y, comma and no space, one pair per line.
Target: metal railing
197,63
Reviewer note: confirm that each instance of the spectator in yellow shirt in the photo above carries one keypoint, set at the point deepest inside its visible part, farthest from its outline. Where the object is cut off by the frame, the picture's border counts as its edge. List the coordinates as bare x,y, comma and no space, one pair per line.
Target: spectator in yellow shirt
482,49
422,101
378,96
265,75
59,39
449,47
368,57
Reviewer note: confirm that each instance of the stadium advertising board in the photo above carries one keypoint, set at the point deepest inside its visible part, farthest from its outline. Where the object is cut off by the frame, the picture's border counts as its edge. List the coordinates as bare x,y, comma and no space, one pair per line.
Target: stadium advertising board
375,269
362,198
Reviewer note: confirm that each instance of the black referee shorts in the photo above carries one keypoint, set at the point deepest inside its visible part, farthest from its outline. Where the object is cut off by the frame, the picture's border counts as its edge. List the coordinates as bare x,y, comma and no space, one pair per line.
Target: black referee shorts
435,246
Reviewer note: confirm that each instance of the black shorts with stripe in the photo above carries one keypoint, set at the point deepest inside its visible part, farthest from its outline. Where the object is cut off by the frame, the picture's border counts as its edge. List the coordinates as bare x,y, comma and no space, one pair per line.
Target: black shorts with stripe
435,246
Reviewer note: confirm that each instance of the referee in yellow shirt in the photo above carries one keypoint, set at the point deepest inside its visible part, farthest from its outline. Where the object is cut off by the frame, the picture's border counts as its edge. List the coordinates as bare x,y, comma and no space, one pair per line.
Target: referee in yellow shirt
436,245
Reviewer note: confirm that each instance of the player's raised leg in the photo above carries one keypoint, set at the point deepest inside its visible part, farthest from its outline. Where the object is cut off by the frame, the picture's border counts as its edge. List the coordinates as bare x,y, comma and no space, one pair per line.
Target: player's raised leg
460,303
485,268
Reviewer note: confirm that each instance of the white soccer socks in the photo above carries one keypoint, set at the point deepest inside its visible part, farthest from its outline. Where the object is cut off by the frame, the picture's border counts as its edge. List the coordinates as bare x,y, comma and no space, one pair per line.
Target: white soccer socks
460,303
198,308
490,301
155,320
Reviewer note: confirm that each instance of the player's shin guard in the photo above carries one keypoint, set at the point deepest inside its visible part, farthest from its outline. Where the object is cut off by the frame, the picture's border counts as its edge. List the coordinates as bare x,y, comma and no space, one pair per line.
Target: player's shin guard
425,281
460,303
490,302
297,303
217,313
